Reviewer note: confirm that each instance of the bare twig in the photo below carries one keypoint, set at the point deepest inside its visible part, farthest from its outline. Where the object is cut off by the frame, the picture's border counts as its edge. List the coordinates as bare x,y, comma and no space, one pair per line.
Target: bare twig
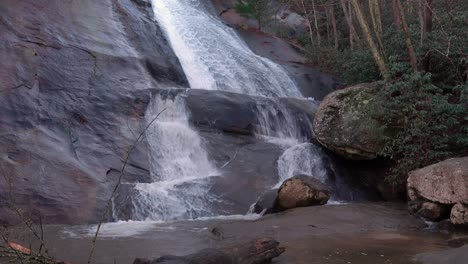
119,180
27,221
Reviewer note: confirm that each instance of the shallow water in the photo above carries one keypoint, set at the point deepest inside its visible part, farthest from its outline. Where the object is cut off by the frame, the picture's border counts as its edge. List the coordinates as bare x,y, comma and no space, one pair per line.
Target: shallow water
346,233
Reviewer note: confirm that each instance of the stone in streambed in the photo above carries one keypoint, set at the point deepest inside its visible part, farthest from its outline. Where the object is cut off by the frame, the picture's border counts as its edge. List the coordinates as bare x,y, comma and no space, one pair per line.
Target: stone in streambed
300,191
459,214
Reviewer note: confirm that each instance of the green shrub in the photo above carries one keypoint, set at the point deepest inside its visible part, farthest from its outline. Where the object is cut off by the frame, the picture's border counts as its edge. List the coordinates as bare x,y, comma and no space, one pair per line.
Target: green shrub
424,124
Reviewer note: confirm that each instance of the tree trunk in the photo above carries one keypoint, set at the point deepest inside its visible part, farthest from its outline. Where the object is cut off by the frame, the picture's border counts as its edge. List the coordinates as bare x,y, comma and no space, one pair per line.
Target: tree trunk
327,13
309,24
376,19
352,30
427,16
409,44
426,27
316,23
333,19
370,42
396,16
422,32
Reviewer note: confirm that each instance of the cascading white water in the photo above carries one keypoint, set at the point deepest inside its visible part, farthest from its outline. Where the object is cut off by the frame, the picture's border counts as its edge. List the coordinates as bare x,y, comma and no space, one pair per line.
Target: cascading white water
304,158
279,125
179,165
214,57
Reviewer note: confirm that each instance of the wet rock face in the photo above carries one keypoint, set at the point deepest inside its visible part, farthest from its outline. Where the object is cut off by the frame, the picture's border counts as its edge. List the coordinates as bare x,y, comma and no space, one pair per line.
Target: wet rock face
459,214
300,191
343,124
434,189
266,202
71,100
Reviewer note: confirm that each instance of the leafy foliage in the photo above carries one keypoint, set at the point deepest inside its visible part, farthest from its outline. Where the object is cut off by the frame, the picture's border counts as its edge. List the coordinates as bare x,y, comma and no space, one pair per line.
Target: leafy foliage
424,124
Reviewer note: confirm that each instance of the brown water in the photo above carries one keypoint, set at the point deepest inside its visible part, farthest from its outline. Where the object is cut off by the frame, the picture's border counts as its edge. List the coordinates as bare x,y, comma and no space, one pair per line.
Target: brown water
349,233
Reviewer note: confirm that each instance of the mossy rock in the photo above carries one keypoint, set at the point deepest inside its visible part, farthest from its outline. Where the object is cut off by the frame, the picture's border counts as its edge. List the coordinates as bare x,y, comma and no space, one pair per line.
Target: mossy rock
343,123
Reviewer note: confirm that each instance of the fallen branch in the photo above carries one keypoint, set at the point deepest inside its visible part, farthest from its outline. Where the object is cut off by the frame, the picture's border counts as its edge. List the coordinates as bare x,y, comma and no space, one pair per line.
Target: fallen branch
260,250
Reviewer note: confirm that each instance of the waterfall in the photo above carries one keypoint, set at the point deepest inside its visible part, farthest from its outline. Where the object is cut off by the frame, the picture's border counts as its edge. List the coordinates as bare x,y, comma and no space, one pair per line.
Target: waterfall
213,57
179,165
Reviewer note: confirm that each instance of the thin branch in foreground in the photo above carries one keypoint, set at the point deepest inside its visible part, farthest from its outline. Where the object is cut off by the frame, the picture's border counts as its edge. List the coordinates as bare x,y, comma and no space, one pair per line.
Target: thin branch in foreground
119,180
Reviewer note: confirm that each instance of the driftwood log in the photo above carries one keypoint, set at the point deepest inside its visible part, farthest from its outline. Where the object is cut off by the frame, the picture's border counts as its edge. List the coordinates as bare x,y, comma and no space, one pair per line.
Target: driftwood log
257,251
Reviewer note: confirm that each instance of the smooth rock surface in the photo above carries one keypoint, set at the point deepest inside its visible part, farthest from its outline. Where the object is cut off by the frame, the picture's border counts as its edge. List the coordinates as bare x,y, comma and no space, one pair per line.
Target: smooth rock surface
343,124
71,102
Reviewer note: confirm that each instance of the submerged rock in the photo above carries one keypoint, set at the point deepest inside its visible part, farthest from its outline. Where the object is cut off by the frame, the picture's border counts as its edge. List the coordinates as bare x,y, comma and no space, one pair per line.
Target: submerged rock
459,214
300,191
343,123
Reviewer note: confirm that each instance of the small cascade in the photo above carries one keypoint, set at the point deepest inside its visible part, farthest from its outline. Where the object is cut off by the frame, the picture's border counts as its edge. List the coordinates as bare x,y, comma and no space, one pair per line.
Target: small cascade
179,166
304,158
279,125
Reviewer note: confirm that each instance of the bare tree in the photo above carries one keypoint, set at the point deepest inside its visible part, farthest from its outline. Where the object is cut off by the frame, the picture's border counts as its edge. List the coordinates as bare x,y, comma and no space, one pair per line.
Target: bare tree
349,21
333,20
396,16
309,24
316,23
370,42
409,43
374,10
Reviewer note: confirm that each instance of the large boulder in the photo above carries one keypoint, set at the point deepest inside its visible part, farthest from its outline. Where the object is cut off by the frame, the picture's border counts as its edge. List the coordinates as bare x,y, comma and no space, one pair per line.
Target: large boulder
72,100
300,191
459,214
445,182
343,123
434,189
